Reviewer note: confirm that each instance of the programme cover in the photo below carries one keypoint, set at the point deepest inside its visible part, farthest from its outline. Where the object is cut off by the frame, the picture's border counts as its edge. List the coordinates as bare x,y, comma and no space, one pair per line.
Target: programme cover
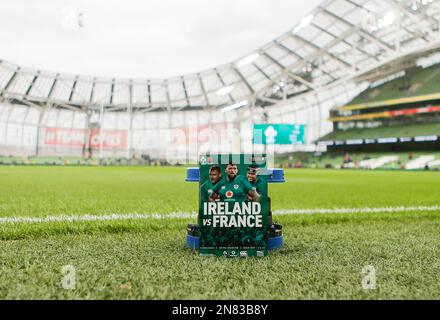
233,205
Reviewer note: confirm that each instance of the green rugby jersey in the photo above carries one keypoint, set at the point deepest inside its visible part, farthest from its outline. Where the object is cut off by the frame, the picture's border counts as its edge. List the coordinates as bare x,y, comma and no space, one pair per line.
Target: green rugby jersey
258,185
207,189
235,190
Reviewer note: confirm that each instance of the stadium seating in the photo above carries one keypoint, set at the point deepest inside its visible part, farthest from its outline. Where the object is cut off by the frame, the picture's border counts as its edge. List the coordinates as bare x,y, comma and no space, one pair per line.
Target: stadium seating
420,162
374,160
385,132
11,160
434,164
415,82
64,160
377,163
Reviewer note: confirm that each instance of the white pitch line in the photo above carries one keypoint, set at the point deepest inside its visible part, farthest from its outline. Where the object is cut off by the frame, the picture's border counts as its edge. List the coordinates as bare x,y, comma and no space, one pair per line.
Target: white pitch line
356,210
188,215
87,217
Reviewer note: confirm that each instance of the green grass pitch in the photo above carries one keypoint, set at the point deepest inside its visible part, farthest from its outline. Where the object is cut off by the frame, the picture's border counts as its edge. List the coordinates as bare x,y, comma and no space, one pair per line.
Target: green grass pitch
322,258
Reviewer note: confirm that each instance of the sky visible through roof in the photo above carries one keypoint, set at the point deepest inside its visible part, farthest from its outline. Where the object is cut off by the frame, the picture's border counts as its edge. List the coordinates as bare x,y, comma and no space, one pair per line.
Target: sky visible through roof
140,39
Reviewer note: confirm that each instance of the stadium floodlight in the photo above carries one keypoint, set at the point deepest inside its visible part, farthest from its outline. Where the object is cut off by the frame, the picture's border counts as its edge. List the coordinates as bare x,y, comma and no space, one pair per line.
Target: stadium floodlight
304,23
225,90
235,106
387,20
249,59
373,22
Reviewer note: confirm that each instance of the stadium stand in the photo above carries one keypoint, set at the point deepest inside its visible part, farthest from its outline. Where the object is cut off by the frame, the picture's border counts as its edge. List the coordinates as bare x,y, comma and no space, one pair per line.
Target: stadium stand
415,82
410,131
420,163
379,86
372,161
399,114
377,163
434,164
75,161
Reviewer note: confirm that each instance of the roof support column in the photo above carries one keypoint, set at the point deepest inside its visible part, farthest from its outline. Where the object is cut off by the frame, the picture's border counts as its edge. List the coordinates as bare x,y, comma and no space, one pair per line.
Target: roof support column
318,106
8,119
42,121
86,150
101,136
130,123
22,127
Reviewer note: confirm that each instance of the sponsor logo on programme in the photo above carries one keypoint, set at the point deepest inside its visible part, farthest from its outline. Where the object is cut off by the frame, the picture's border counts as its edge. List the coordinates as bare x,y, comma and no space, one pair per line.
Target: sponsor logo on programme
229,194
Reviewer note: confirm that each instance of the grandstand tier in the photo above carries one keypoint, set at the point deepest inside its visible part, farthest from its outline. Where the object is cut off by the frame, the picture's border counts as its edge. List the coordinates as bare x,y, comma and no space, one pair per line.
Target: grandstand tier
422,160
423,83
395,138
401,113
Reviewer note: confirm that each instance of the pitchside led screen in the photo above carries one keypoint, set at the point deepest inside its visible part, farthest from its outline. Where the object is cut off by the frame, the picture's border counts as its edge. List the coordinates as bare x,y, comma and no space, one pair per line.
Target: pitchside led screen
233,205
278,134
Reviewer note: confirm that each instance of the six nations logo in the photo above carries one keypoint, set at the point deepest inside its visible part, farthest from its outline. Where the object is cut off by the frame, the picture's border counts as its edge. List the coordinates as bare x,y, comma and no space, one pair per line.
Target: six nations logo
203,160
206,160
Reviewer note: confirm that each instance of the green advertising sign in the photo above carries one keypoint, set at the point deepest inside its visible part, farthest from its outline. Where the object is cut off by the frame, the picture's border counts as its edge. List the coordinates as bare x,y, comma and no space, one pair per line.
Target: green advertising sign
233,206
278,134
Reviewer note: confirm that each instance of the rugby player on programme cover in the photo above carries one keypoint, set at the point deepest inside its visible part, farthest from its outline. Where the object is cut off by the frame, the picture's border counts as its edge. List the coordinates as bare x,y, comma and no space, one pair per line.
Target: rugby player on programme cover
234,187
254,179
207,189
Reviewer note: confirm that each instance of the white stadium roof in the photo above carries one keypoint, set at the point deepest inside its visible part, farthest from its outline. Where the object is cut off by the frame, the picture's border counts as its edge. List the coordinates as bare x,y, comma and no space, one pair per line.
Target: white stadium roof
338,41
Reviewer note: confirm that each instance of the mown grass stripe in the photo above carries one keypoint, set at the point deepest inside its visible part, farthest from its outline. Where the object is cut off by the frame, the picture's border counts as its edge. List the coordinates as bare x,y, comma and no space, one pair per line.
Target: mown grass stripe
188,215
87,217
357,210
